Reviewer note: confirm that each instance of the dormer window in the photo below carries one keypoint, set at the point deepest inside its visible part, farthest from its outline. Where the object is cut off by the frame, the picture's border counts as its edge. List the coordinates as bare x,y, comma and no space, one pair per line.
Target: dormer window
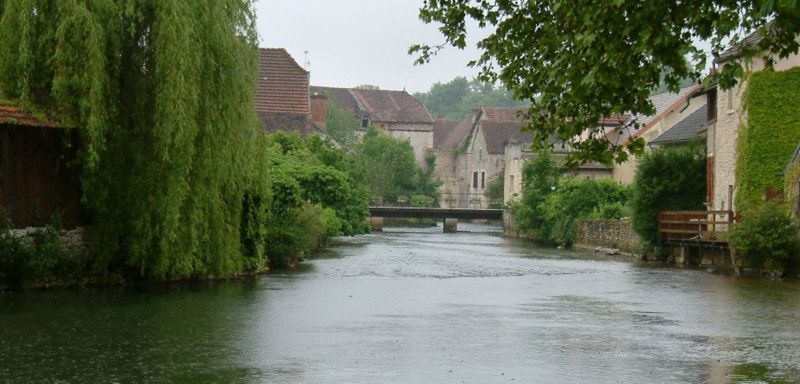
364,121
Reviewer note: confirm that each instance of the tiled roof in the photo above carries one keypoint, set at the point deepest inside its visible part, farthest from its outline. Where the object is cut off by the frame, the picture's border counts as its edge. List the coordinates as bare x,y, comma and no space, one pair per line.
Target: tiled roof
498,133
341,96
503,113
282,83
685,130
392,106
457,135
750,40
286,121
380,105
664,103
13,116
440,130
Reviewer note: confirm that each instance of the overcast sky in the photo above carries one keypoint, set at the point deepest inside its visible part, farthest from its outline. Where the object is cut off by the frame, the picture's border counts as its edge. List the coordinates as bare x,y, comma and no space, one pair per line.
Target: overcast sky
354,42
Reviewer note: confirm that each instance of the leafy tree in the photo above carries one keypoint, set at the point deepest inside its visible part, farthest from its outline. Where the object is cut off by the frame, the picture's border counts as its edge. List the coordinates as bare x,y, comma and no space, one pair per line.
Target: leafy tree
540,176
325,177
388,164
495,189
769,234
341,126
389,169
667,179
576,199
426,184
551,206
457,99
447,99
582,60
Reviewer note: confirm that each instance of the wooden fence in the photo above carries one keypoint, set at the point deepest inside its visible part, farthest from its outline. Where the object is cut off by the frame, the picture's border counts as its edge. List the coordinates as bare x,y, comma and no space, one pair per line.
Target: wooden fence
695,226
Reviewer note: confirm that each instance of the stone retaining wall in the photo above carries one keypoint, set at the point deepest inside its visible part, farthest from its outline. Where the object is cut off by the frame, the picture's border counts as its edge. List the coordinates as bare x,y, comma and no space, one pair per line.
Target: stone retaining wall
74,239
607,233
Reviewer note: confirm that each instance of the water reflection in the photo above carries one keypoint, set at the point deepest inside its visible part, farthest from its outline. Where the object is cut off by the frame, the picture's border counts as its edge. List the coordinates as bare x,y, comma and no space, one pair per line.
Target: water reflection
416,306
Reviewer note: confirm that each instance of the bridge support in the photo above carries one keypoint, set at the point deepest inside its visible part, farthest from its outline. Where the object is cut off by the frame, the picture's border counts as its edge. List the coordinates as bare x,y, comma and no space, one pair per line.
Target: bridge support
376,224
450,225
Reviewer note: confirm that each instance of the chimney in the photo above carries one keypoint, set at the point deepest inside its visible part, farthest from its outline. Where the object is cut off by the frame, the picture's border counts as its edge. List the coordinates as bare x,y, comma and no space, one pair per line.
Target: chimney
319,110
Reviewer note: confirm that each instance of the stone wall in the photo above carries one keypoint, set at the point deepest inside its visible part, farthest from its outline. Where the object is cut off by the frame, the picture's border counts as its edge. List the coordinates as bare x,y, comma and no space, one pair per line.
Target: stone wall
608,233
75,239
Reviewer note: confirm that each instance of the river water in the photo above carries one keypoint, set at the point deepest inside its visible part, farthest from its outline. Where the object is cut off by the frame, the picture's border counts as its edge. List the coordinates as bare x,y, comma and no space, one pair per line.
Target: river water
415,306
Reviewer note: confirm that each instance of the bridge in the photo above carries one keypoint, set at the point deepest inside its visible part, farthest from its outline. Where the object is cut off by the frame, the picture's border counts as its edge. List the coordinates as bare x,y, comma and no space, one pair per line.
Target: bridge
450,216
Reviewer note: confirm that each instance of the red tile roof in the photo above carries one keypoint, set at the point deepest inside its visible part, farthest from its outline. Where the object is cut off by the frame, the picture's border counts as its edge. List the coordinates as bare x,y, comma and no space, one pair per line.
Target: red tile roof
440,130
498,133
286,121
380,105
392,106
503,113
14,116
458,134
282,83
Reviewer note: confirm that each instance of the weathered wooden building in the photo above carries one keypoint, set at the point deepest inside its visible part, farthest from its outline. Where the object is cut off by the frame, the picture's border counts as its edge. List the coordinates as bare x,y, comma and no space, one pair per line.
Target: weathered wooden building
39,174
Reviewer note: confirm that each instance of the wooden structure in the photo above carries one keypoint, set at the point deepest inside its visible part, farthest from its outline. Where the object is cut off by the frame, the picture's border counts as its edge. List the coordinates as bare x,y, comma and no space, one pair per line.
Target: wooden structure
39,177
695,227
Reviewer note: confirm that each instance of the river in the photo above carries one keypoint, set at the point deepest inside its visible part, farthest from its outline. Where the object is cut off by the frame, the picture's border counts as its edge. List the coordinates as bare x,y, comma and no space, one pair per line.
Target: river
415,306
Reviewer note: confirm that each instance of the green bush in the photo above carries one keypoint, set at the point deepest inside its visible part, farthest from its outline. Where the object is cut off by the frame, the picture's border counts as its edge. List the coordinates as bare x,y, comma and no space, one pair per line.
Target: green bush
423,201
38,258
574,200
767,237
550,208
667,179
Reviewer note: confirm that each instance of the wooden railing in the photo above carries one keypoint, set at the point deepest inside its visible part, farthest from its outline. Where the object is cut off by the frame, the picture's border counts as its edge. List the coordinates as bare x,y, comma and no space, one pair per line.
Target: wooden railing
701,226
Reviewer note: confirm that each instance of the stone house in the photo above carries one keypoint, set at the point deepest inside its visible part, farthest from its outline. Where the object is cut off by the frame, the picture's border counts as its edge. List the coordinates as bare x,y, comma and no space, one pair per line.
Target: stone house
484,154
731,117
283,102
39,171
449,144
396,113
671,108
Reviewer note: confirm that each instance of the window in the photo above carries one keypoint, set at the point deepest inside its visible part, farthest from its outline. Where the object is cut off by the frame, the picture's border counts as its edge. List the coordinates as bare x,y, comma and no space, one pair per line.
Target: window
729,93
712,105
364,122
474,179
511,185
483,180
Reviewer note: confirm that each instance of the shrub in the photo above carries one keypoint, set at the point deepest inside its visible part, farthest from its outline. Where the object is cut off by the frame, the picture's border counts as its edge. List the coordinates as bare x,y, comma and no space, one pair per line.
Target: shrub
667,179
579,199
768,236
423,201
40,257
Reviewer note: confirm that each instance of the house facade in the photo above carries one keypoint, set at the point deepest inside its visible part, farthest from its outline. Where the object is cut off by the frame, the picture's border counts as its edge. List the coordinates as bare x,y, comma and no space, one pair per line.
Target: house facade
671,108
731,116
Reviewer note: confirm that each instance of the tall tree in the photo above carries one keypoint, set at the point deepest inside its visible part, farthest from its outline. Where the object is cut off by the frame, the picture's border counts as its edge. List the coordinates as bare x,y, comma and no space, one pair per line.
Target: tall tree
579,61
162,93
457,98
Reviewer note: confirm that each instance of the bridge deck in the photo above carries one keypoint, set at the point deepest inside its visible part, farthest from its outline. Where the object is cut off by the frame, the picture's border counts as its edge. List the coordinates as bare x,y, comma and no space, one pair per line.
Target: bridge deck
435,213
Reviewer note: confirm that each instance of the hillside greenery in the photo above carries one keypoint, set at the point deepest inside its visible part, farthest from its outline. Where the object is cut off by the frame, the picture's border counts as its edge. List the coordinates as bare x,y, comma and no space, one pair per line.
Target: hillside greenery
457,99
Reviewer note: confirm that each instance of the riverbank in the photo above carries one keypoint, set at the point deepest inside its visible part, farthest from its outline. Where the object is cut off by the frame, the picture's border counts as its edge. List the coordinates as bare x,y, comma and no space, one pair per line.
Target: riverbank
44,258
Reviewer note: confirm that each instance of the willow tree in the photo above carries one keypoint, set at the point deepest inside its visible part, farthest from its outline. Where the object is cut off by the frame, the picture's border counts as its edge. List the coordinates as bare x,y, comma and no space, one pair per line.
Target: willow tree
162,93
